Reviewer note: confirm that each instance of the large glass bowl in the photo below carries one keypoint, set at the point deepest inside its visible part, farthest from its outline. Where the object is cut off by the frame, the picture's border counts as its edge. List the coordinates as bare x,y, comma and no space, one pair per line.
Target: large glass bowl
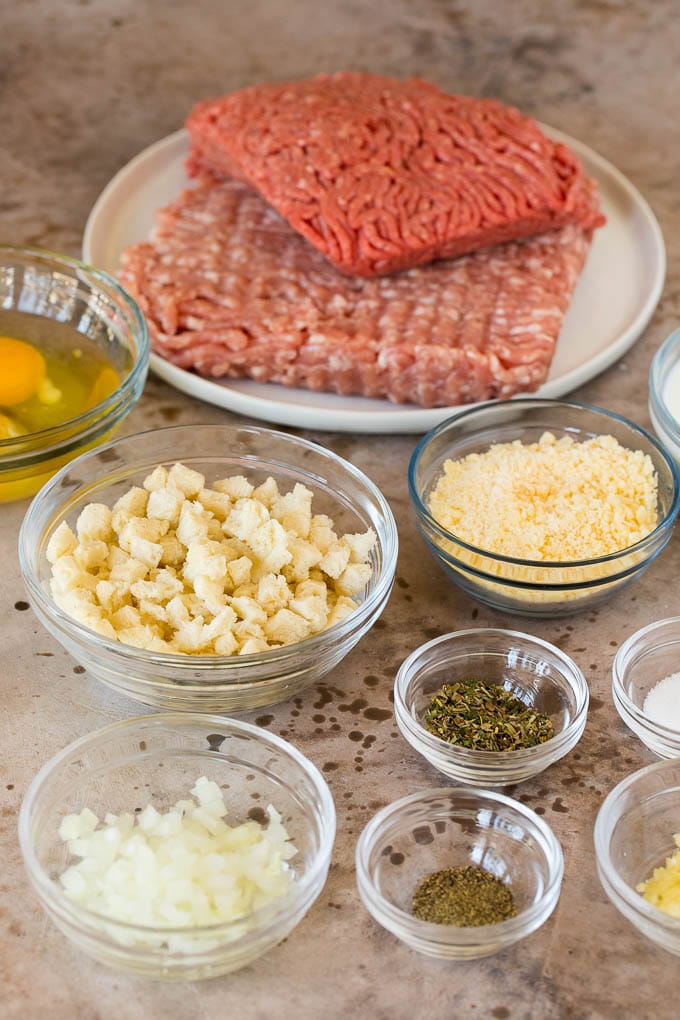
156,759
211,682
535,672
448,828
533,587
40,285
634,835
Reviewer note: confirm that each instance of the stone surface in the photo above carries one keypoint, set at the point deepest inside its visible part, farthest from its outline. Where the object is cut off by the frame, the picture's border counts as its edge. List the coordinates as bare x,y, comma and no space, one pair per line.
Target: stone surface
83,87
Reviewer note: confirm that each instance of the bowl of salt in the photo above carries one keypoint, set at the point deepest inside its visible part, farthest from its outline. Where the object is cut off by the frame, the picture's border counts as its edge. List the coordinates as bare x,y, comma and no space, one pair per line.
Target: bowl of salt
646,685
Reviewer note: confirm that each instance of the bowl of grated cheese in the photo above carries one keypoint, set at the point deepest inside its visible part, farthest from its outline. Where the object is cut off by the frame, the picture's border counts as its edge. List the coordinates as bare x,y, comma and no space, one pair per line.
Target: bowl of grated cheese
543,507
177,846
211,567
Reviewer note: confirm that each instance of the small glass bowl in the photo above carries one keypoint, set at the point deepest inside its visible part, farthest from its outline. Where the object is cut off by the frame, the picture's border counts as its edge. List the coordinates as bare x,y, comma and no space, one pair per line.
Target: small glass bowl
534,671
157,759
211,682
646,657
633,835
57,289
664,393
447,828
533,587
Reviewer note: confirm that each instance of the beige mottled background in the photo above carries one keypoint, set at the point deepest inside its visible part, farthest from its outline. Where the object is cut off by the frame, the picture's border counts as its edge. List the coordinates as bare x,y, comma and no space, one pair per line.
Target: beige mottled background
86,85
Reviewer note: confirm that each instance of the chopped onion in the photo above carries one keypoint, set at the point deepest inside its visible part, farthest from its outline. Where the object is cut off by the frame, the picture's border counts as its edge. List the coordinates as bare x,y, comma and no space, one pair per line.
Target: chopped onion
186,867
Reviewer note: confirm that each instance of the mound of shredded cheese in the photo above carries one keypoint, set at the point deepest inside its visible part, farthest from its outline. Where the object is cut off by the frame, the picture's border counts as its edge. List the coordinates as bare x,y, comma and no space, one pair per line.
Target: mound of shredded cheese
554,500
662,890
180,869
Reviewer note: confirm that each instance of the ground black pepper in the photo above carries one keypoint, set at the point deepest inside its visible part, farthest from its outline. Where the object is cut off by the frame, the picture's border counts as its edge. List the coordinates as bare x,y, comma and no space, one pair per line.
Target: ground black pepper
466,896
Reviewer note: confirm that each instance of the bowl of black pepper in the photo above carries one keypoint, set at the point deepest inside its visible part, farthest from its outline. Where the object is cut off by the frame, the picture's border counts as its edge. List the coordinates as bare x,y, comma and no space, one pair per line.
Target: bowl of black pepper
459,873
490,707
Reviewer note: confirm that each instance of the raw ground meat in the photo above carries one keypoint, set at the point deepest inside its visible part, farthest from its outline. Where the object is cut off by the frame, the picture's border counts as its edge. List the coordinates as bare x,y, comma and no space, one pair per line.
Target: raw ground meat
381,174
229,289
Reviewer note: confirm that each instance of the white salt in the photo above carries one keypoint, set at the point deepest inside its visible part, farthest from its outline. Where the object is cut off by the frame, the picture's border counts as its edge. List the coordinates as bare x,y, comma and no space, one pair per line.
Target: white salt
662,703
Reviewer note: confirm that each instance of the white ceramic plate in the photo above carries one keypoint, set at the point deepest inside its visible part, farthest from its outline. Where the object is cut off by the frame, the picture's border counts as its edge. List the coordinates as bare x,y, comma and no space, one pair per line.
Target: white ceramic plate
618,291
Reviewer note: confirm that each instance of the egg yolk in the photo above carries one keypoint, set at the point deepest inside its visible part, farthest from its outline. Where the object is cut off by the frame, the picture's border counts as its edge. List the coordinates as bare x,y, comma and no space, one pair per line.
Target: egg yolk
22,370
106,382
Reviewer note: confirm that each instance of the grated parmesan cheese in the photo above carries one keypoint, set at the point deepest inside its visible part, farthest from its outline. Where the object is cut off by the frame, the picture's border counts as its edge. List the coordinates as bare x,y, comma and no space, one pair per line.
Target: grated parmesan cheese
555,500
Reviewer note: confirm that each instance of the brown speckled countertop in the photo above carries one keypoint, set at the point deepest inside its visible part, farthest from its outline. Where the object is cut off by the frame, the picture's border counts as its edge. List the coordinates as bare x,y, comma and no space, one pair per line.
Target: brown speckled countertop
84,86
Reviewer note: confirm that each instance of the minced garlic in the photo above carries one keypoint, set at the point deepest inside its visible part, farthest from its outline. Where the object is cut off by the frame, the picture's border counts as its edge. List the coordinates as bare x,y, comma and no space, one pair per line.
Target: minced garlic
662,890
554,500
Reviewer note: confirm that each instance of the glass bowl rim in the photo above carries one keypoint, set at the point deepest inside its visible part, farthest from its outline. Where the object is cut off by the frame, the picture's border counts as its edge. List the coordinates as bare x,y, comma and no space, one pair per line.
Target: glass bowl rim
502,931
265,916
423,513
665,356
105,407
472,756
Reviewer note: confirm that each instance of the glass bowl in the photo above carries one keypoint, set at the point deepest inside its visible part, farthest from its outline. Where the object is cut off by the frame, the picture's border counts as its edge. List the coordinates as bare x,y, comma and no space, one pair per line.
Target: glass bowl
532,670
664,393
633,835
646,657
223,683
157,759
40,294
532,587
447,828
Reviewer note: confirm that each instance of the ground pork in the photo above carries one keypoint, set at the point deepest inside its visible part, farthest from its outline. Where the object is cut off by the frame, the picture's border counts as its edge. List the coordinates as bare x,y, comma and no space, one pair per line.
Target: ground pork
229,289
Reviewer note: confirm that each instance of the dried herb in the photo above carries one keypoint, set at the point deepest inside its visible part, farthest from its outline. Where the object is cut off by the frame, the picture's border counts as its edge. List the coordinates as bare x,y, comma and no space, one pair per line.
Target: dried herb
466,897
485,717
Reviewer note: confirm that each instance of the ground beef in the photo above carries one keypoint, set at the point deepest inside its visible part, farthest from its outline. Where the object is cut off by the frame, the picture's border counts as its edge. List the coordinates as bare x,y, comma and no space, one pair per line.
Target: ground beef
381,174
229,289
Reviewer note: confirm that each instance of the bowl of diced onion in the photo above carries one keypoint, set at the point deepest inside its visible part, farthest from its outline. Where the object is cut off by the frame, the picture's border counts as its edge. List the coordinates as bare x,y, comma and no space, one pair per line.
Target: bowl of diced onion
211,567
543,507
177,845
